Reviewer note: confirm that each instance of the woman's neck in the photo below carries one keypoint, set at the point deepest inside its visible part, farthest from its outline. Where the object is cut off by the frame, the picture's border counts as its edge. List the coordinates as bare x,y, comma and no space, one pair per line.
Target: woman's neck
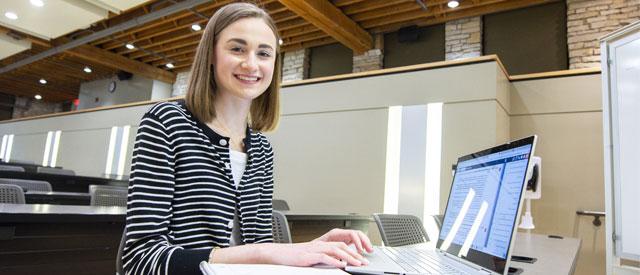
231,118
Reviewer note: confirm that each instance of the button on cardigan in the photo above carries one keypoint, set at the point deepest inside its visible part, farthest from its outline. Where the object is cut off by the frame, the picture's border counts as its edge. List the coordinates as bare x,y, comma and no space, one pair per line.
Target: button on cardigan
182,196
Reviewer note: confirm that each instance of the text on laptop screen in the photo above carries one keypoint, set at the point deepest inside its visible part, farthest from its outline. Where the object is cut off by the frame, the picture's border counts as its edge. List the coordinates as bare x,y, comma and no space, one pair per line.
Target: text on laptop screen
483,203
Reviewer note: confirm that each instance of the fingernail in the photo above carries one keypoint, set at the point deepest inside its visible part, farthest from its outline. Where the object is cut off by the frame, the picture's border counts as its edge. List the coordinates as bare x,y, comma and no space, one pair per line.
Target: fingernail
365,261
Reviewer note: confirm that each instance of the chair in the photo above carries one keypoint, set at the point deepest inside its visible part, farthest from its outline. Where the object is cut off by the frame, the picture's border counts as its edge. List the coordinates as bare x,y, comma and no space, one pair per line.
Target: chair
280,205
399,230
439,219
11,193
55,171
28,185
11,168
281,233
105,195
119,264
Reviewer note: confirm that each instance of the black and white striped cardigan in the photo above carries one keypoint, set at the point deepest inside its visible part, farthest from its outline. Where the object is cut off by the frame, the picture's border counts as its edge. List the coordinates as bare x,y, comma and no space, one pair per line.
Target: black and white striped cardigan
181,194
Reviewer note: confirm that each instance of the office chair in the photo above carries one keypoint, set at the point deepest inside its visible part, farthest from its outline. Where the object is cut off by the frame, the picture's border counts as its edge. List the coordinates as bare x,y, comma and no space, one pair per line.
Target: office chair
11,193
105,195
55,171
280,205
281,233
399,230
11,168
119,264
438,219
28,185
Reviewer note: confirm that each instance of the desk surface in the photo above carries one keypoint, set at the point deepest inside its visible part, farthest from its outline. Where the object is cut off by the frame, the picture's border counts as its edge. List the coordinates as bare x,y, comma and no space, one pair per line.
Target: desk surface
555,256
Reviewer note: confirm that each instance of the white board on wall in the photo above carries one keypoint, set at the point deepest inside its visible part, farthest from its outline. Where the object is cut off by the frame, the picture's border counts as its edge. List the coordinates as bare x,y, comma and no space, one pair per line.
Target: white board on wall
623,110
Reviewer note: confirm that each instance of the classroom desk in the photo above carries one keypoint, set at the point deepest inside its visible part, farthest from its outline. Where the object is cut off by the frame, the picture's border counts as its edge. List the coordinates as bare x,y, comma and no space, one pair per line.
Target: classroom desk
59,239
64,183
60,198
555,256
308,226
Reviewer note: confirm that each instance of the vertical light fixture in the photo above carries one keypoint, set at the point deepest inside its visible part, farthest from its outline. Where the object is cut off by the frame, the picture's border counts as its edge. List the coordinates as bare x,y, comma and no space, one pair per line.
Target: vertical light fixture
392,169
47,149
111,150
433,155
123,149
56,144
9,147
4,147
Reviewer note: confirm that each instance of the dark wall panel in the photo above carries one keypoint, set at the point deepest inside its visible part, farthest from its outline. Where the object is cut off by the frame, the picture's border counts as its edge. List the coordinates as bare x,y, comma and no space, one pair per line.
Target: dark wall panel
528,40
429,47
332,59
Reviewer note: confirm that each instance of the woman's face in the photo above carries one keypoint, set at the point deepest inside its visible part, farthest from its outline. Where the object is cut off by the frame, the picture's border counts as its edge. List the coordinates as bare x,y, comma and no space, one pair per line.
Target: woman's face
244,58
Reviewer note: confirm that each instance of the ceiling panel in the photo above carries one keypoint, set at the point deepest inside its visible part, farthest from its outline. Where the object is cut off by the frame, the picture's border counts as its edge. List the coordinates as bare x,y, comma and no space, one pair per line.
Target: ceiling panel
10,46
117,6
54,19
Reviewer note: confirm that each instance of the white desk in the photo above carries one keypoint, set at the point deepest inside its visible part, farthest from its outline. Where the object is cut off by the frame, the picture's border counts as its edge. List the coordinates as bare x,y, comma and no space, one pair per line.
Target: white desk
555,256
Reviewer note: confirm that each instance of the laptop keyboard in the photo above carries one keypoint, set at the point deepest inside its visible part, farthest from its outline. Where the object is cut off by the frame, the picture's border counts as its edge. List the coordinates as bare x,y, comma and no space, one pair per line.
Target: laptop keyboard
419,261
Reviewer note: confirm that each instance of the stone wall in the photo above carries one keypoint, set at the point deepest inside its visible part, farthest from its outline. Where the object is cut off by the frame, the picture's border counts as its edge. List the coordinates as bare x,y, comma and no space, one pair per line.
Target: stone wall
180,86
370,60
588,20
295,65
463,38
27,107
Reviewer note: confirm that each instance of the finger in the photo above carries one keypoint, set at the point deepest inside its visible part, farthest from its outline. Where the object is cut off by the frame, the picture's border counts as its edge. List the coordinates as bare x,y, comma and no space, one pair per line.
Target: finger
342,251
355,238
326,259
366,242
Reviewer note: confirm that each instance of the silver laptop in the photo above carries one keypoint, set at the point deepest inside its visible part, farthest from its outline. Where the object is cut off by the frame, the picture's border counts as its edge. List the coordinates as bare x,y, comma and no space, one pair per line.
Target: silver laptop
479,225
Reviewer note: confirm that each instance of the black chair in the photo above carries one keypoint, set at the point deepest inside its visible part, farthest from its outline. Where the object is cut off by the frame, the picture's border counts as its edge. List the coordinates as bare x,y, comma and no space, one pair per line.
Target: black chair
55,171
105,195
11,168
399,230
280,205
281,233
28,185
11,193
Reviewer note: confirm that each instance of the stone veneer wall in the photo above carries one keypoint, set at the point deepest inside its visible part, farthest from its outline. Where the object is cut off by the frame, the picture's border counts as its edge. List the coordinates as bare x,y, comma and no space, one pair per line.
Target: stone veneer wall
27,107
295,65
180,86
463,38
587,20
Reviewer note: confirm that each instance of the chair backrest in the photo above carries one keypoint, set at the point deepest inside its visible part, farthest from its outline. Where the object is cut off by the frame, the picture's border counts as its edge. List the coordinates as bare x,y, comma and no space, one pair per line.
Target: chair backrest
399,230
11,193
280,205
119,267
438,219
12,168
104,195
281,233
29,185
56,171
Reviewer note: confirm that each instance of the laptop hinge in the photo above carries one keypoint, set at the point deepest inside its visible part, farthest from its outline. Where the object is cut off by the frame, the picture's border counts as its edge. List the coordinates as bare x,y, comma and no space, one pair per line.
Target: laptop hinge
484,271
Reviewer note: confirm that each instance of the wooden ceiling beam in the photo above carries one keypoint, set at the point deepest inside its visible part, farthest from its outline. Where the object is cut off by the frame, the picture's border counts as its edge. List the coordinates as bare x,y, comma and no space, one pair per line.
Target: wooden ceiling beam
163,48
332,21
375,4
309,44
340,3
112,60
484,7
432,6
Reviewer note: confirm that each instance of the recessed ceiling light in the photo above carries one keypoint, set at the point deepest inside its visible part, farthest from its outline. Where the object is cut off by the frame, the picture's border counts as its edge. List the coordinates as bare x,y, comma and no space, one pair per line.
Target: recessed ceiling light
196,27
43,81
87,70
170,65
11,15
453,4
37,3
38,97
130,46
280,42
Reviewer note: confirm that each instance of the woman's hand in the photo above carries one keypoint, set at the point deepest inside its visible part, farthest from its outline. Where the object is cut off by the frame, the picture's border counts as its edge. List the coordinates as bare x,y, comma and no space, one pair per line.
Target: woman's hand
337,254
355,237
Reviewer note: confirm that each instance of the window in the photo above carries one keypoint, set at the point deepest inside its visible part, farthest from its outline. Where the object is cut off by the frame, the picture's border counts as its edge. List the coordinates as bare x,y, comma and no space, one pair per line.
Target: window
414,46
332,59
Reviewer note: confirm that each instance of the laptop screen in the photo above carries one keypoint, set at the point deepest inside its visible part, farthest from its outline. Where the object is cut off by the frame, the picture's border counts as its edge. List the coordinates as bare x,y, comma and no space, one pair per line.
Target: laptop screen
483,204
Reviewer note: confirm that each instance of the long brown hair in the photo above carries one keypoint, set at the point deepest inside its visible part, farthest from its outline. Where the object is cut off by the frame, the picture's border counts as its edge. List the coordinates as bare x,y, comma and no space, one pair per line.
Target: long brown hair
201,90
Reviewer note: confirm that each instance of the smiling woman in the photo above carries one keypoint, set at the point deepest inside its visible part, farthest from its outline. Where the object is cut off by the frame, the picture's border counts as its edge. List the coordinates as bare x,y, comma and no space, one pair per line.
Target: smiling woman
202,172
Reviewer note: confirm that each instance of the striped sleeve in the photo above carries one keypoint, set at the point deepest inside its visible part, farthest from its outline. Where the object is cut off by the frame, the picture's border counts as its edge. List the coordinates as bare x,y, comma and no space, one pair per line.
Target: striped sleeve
148,248
264,233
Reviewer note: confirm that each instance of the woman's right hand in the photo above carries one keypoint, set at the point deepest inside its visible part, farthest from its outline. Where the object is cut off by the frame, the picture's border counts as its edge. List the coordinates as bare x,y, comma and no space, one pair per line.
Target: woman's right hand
336,254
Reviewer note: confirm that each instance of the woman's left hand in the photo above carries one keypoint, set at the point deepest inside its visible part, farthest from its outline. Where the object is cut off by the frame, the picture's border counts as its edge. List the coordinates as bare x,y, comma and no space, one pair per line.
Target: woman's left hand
355,237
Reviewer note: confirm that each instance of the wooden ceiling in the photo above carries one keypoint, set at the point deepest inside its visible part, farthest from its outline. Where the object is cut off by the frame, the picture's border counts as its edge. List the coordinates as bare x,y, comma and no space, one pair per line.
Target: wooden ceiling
302,24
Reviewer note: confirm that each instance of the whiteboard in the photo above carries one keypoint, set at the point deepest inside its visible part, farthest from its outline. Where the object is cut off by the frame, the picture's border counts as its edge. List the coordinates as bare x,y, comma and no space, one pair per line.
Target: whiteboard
624,69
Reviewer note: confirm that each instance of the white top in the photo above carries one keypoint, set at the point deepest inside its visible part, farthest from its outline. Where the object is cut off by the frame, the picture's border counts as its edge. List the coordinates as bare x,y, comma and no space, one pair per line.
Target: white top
238,164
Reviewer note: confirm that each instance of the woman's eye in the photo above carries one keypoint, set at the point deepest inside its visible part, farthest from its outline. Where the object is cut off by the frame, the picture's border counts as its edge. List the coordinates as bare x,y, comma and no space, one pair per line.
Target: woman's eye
265,54
236,49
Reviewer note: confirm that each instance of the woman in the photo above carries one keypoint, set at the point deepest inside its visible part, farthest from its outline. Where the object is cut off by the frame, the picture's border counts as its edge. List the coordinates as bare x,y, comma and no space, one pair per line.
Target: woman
202,173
